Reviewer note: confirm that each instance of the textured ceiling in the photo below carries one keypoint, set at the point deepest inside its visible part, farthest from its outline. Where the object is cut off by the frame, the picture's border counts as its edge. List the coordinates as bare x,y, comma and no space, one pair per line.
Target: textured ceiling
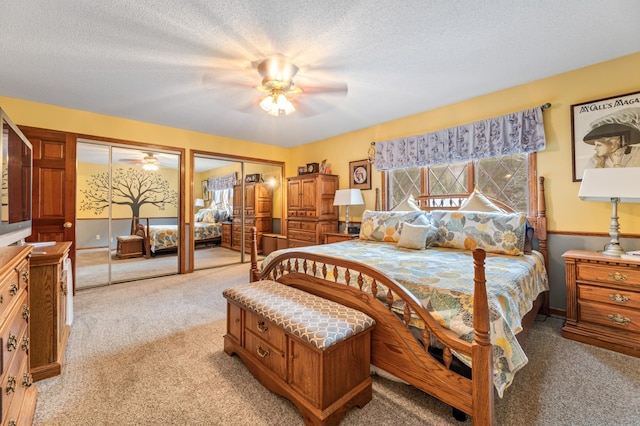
188,63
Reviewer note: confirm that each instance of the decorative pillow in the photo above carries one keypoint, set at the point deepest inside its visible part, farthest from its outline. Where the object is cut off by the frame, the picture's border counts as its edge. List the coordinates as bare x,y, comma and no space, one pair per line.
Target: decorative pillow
477,202
502,233
417,237
222,215
200,214
209,216
386,225
407,204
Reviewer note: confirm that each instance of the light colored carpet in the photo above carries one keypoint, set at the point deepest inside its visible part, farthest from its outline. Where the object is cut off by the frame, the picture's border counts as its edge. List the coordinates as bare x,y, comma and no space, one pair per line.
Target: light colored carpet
151,353
92,268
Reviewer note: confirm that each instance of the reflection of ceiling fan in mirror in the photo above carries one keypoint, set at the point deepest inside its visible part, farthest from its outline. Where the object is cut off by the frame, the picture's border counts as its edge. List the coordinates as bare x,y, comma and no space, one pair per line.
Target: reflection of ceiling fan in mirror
149,162
311,93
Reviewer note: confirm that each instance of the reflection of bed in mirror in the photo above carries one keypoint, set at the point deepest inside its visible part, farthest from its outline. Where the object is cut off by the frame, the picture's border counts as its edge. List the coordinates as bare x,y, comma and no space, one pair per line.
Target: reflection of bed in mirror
207,228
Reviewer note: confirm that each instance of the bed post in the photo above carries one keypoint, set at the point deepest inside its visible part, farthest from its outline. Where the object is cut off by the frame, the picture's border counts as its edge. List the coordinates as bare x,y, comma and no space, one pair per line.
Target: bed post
254,254
541,229
481,349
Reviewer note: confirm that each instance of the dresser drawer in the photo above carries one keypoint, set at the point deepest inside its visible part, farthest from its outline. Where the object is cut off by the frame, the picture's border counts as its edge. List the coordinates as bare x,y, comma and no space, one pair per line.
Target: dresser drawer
303,236
296,243
618,297
617,317
303,226
23,382
265,330
9,289
13,382
266,354
13,332
608,273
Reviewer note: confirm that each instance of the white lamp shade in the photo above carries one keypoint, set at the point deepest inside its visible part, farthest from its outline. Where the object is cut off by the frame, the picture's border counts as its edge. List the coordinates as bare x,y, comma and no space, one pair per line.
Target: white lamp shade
607,183
348,197
199,202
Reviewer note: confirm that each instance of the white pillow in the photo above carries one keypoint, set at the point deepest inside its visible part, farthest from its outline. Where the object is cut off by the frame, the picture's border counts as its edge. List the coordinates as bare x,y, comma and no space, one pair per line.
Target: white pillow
407,204
477,202
415,236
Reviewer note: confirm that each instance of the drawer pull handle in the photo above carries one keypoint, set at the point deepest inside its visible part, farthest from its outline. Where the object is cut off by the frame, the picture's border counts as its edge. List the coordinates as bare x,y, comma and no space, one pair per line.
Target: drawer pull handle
618,276
12,422
25,275
27,380
25,343
11,385
25,312
261,327
618,298
12,342
619,319
13,289
261,352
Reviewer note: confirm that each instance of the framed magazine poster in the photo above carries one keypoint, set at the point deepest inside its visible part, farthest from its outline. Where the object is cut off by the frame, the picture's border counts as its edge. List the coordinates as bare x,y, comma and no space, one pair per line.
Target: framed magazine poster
605,133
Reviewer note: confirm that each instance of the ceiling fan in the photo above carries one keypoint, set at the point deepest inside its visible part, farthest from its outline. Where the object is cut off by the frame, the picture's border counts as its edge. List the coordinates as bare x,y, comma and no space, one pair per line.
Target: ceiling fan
149,161
314,93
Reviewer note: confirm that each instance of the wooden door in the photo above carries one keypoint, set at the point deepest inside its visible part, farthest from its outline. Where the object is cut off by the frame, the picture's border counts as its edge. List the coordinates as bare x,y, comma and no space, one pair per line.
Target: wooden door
294,195
54,186
309,200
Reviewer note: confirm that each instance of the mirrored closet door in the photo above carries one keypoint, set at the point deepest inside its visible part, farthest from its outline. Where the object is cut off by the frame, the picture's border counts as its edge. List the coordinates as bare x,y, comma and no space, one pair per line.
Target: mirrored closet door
127,214
231,195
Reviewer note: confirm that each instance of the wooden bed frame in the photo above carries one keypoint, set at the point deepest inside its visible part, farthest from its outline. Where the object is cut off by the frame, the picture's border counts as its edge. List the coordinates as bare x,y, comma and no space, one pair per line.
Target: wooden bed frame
214,240
393,346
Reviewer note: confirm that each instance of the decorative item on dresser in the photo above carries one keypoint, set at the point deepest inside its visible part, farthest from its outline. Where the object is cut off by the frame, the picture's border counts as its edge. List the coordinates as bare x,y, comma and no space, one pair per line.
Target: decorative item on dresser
347,197
257,212
18,402
48,291
613,185
310,209
603,301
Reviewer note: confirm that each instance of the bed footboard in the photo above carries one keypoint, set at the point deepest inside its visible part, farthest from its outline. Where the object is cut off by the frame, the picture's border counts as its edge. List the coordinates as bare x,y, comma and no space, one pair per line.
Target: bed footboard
394,348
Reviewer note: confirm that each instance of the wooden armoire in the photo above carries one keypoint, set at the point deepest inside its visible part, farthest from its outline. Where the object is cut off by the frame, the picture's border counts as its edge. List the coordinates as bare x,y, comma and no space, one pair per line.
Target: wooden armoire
257,212
310,209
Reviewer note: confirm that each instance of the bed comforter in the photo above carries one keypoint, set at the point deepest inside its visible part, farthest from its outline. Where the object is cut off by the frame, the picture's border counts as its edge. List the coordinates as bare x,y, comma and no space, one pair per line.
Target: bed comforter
442,279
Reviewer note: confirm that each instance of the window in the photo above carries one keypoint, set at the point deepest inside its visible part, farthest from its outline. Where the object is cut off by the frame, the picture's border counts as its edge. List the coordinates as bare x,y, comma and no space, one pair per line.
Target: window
504,178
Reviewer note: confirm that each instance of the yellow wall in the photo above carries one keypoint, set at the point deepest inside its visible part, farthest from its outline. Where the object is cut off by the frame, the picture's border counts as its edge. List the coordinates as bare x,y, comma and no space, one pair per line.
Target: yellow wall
566,212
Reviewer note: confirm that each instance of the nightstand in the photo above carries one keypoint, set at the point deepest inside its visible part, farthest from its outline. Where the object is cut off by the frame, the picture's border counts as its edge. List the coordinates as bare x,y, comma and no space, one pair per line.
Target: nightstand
603,301
334,237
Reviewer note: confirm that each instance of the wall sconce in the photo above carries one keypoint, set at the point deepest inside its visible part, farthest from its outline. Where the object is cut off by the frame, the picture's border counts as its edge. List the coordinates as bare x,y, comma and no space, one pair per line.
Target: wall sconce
371,154
614,185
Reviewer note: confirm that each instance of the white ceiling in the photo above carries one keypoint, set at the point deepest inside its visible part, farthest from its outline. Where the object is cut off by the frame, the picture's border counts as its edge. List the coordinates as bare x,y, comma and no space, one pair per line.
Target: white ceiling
188,63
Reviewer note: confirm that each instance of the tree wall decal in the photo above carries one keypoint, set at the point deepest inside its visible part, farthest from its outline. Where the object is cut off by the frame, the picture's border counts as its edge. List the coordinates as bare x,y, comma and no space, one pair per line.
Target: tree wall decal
131,187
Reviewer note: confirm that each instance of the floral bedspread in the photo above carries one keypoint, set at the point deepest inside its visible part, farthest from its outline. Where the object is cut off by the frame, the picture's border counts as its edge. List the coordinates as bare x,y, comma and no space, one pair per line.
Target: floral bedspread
166,236
442,279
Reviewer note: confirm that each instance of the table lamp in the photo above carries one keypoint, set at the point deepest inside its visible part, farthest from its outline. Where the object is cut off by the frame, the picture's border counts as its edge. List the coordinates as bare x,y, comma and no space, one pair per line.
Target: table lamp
615,185
199,203
347,197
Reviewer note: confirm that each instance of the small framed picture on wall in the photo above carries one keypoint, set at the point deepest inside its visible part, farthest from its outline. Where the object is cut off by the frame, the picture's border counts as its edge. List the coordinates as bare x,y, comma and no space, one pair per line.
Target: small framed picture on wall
205,190
360,174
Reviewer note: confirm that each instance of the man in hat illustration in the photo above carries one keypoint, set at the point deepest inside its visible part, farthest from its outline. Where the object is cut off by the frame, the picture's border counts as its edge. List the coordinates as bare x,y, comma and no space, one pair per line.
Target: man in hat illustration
615,139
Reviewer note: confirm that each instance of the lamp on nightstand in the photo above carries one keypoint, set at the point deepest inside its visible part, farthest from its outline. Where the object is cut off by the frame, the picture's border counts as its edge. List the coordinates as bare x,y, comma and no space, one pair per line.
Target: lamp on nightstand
199,203
614,185
347,197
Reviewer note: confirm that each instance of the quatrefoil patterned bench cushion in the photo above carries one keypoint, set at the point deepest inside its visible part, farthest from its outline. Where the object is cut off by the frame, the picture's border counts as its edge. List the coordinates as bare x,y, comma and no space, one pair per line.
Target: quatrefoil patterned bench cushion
129,238
318,321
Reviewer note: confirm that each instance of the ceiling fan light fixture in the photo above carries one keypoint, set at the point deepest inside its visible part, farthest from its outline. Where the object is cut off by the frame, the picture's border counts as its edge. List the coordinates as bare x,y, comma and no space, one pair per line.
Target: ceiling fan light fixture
276,103
150,167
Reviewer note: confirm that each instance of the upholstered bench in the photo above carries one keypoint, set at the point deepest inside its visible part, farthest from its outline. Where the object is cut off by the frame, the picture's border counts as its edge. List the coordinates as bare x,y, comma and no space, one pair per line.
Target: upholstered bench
313,351
129,246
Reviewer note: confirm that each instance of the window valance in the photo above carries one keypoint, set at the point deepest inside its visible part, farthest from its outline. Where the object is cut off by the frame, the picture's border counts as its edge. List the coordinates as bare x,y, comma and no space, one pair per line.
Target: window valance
518,132
222,182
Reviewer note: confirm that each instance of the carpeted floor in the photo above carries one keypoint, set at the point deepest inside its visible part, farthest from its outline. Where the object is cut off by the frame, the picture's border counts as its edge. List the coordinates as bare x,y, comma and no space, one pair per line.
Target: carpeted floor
151,353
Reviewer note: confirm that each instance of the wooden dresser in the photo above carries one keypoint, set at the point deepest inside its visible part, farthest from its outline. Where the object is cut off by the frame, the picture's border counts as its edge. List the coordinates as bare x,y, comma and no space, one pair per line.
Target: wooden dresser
310,209
603,301
18,402
257,212
49,328
226,235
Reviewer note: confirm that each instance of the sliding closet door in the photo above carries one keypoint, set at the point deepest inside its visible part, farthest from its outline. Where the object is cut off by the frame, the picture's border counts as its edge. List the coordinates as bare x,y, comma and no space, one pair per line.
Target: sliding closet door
118,188
92,216
145,188
215,181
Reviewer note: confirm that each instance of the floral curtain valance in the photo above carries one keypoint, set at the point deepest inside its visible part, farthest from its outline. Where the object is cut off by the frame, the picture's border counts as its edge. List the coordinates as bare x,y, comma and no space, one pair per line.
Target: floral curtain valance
222,182
514,133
